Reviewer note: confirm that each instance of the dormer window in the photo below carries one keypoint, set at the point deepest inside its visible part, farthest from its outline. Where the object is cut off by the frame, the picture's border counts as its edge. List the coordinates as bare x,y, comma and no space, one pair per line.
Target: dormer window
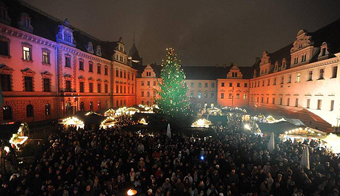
234,74
4,14
303,58
284,64
90,47
324,50
65,34
276,66
25,23
99,51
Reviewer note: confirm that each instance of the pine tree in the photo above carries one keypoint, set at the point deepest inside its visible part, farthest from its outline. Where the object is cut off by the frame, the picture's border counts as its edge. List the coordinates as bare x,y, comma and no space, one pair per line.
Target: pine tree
172,99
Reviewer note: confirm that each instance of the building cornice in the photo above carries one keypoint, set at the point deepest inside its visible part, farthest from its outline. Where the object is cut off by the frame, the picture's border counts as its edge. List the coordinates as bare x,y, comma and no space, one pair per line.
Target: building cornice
302,67
7,30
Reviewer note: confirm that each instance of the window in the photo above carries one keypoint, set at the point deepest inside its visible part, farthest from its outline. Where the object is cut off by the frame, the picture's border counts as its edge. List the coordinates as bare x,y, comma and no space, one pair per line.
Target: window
212,95
334,71
245,84
106,88
192,85
81,65
282,79
142,94
206,85
99,88
268,83
244,96
289,79
199,85
322,71
319,104
99,69
7,112
125,74
332,105
237,96
296,102
142,83
81,87
99,104
230,95
128,75
154,83
310,75
205,95
308,103
257,99
47,85
234,74
262,82
91,87
124,89
106,71
191,94
67,61
117,73
222,84
280,101
199,95
296,60
29,111
298,76
82,106
47,110
304,58
91,105
46,57
148,94
267,99
261,99
4,49
212,85
273,101
68,86
121,89
28,84
288,101
27,55
274,82
222,95
90,67
148,83
5,82
230,84
121,73
238,84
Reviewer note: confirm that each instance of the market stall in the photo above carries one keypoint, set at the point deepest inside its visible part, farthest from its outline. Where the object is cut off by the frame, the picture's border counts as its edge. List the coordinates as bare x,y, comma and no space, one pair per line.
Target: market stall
73,122
201,123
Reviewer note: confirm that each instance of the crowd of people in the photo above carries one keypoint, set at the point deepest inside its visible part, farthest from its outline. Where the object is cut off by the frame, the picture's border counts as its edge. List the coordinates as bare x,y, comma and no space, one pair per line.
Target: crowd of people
234,162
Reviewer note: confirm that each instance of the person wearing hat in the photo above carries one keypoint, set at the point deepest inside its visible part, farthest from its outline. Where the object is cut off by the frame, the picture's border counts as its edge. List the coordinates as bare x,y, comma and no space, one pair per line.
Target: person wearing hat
150,192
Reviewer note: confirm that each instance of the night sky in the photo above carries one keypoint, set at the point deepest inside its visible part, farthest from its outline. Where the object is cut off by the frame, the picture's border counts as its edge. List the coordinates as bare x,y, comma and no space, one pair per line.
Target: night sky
203,32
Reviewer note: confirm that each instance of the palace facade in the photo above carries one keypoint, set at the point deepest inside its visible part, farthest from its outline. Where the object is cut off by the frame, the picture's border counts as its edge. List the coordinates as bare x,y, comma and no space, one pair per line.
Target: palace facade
50,69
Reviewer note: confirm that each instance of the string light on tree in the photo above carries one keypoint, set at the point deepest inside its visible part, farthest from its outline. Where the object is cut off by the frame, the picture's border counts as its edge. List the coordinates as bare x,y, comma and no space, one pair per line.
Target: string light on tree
173,100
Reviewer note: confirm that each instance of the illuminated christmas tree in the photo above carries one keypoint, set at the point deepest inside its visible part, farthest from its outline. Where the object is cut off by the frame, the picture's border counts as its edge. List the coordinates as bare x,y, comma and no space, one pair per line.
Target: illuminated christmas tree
173,100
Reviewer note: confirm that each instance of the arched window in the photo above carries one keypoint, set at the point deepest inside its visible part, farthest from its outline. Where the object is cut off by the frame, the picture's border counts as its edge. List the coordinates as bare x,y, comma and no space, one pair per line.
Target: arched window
47,110
91,105
7,112
29,110
82,106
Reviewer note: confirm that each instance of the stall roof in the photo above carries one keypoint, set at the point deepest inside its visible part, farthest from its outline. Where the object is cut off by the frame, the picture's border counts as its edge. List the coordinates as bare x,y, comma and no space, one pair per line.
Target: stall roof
278,128
6,130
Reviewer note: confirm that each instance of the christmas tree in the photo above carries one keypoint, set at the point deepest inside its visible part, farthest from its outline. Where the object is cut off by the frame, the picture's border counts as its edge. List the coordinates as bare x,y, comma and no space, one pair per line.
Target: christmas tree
172,99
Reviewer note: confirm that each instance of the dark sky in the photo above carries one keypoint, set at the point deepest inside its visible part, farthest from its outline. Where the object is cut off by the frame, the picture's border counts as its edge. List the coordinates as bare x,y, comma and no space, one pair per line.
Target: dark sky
203,32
